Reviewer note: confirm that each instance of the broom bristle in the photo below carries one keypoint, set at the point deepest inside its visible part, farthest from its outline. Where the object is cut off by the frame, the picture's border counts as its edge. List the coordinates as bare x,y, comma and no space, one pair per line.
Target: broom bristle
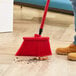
35,46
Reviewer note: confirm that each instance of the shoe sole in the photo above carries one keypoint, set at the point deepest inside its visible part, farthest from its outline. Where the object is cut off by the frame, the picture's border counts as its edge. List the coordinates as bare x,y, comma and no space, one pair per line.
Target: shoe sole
61,53
71,59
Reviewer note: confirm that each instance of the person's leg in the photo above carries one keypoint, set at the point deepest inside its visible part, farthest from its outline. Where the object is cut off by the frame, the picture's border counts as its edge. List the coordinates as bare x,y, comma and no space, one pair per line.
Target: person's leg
72,47
74,9
72,56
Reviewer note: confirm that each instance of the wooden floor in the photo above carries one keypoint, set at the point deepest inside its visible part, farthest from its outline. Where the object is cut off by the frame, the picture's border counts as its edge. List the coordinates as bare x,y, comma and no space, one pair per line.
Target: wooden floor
59,27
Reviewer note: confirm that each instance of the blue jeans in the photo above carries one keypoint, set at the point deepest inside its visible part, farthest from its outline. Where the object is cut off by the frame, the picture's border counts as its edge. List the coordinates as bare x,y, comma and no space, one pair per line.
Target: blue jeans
74,9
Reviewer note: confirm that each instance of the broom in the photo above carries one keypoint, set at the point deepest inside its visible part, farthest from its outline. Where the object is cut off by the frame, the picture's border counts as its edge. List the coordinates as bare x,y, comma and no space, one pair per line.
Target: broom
36,46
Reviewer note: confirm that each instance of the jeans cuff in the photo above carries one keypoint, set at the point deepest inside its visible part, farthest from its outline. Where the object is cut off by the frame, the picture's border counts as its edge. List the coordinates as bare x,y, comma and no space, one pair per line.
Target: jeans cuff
74,40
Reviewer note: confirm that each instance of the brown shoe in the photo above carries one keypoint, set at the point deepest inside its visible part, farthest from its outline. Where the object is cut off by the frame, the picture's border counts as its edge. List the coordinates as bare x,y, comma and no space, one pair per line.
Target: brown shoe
72,56
65,51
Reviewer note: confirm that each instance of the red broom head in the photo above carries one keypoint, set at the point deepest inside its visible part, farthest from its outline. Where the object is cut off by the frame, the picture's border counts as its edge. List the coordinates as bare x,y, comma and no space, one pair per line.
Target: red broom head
35,46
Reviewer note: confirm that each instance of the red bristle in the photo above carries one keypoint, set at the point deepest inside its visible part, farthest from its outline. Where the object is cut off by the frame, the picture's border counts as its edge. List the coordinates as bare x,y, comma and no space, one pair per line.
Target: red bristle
35,46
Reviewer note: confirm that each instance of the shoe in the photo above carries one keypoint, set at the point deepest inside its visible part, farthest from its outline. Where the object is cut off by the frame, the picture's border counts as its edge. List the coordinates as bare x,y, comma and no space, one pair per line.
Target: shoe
65,51
72,56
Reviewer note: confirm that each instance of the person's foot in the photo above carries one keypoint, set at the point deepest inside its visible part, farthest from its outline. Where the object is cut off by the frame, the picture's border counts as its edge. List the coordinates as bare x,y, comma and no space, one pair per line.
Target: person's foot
65,51
72,56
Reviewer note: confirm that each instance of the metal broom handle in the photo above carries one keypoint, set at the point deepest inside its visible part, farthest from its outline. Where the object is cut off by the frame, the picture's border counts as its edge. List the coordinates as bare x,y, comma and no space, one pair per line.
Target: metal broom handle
44,17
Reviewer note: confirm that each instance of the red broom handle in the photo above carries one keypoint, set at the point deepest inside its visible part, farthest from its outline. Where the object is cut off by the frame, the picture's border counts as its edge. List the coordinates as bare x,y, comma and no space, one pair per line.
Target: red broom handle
44,17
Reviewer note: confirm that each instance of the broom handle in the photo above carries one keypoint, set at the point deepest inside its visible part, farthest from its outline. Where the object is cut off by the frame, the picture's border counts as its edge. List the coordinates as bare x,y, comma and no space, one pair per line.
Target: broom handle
44,17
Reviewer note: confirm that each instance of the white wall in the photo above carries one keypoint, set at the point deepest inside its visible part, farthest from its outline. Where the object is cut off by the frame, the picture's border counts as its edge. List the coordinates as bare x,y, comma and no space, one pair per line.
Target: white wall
6,15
